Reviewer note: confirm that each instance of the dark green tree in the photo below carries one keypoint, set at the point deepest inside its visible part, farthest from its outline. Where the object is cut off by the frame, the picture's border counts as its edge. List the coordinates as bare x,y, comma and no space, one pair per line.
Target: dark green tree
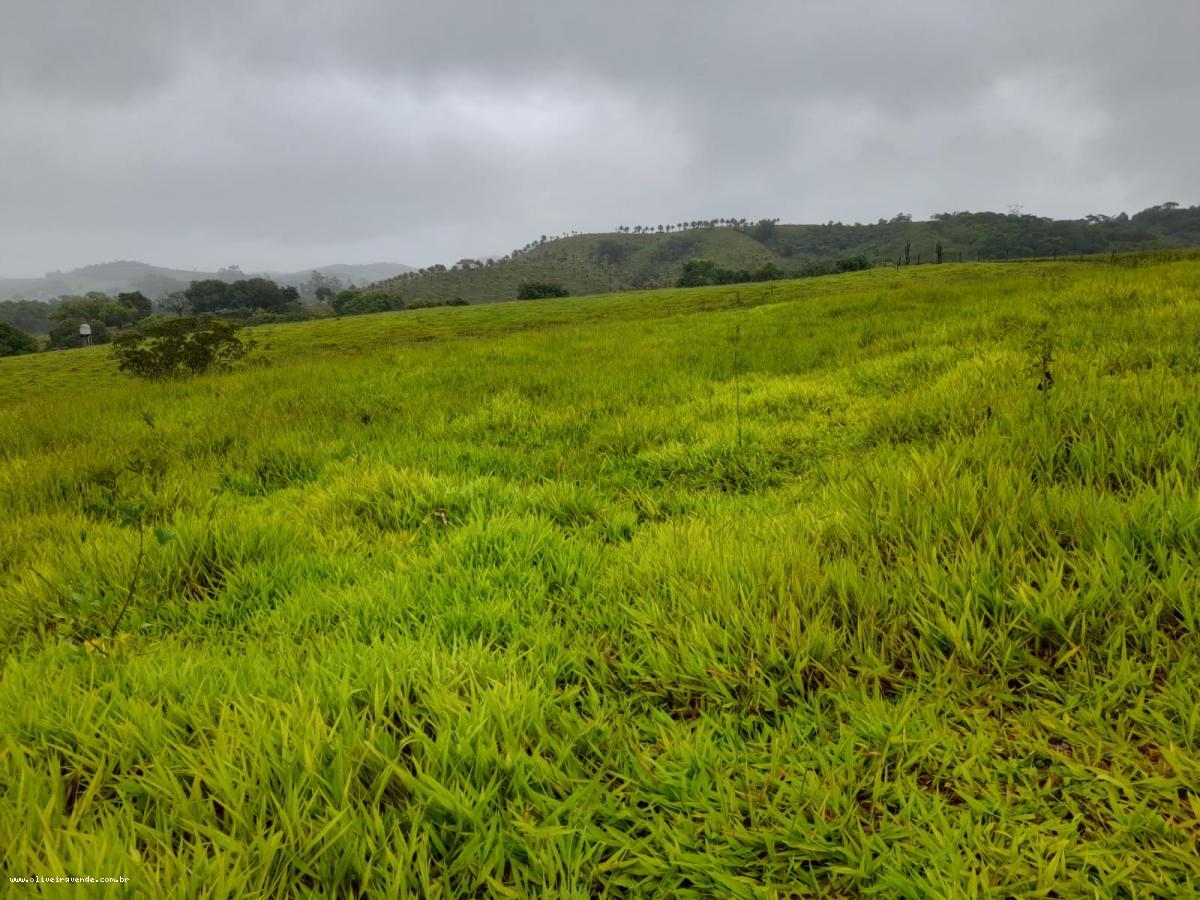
241,297
14,341
207,295
138,301
252,294
853,263
538,290
360,301
698,272
176,347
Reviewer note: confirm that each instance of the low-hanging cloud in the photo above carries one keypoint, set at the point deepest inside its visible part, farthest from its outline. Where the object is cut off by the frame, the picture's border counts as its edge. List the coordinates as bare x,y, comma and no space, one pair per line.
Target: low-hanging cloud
282,135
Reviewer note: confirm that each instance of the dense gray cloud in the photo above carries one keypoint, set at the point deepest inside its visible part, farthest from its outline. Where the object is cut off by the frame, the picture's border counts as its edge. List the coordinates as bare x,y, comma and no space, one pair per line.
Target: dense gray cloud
280,134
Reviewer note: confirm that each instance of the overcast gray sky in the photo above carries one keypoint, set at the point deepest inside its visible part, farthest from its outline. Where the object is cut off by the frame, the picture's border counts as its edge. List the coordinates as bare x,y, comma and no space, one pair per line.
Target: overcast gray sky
284,135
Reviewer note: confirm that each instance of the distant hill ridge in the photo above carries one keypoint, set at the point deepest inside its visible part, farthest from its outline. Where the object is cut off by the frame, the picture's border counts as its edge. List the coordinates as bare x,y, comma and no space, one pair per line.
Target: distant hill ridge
648,257
157,282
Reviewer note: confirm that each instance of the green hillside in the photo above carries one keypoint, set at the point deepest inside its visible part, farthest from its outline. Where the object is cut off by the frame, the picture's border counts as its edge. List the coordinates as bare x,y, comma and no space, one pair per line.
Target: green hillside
596,263
583,264
880,584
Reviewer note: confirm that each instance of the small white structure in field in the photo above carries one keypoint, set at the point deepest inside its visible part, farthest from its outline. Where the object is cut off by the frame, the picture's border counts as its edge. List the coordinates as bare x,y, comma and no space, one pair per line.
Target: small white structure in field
85,334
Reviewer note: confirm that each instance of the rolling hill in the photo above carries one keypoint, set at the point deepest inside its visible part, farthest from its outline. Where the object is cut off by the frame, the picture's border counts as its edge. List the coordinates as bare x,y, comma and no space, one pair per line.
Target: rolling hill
596,263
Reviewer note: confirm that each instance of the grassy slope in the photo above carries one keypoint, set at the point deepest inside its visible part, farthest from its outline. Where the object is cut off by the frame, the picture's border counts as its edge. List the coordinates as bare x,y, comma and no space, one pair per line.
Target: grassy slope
632,261
656,592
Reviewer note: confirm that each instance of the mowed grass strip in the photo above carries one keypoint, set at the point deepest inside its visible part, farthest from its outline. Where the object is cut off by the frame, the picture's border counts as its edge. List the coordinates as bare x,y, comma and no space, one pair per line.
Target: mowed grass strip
881,583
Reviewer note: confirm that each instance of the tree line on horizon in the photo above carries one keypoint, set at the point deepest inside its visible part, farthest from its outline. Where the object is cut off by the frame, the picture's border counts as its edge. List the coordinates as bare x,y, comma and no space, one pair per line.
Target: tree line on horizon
601,262
27,326
55,324
635,257
965,235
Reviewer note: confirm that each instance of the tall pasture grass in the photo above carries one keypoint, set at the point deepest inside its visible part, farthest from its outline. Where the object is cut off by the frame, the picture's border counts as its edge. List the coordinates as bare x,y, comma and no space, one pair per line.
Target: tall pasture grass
583,597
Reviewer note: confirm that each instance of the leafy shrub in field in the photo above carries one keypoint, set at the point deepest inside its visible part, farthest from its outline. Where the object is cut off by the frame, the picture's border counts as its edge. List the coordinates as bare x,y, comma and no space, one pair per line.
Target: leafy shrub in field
358,301
698,272
538,290
701,272
853,263
14,341
170,348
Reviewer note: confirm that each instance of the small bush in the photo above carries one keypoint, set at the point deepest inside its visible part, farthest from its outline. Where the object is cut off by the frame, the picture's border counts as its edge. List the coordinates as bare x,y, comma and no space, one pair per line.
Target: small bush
539,290
172,348
357,302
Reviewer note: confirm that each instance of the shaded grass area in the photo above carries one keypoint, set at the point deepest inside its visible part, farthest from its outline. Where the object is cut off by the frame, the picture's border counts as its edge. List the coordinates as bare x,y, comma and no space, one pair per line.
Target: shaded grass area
812,587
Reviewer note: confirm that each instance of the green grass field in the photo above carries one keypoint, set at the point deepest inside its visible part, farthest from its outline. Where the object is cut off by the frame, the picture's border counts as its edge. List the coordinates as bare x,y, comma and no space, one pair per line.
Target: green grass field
884,583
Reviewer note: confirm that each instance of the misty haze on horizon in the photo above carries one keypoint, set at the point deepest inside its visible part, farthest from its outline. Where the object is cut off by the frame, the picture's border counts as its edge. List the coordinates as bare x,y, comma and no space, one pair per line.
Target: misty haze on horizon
207,135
